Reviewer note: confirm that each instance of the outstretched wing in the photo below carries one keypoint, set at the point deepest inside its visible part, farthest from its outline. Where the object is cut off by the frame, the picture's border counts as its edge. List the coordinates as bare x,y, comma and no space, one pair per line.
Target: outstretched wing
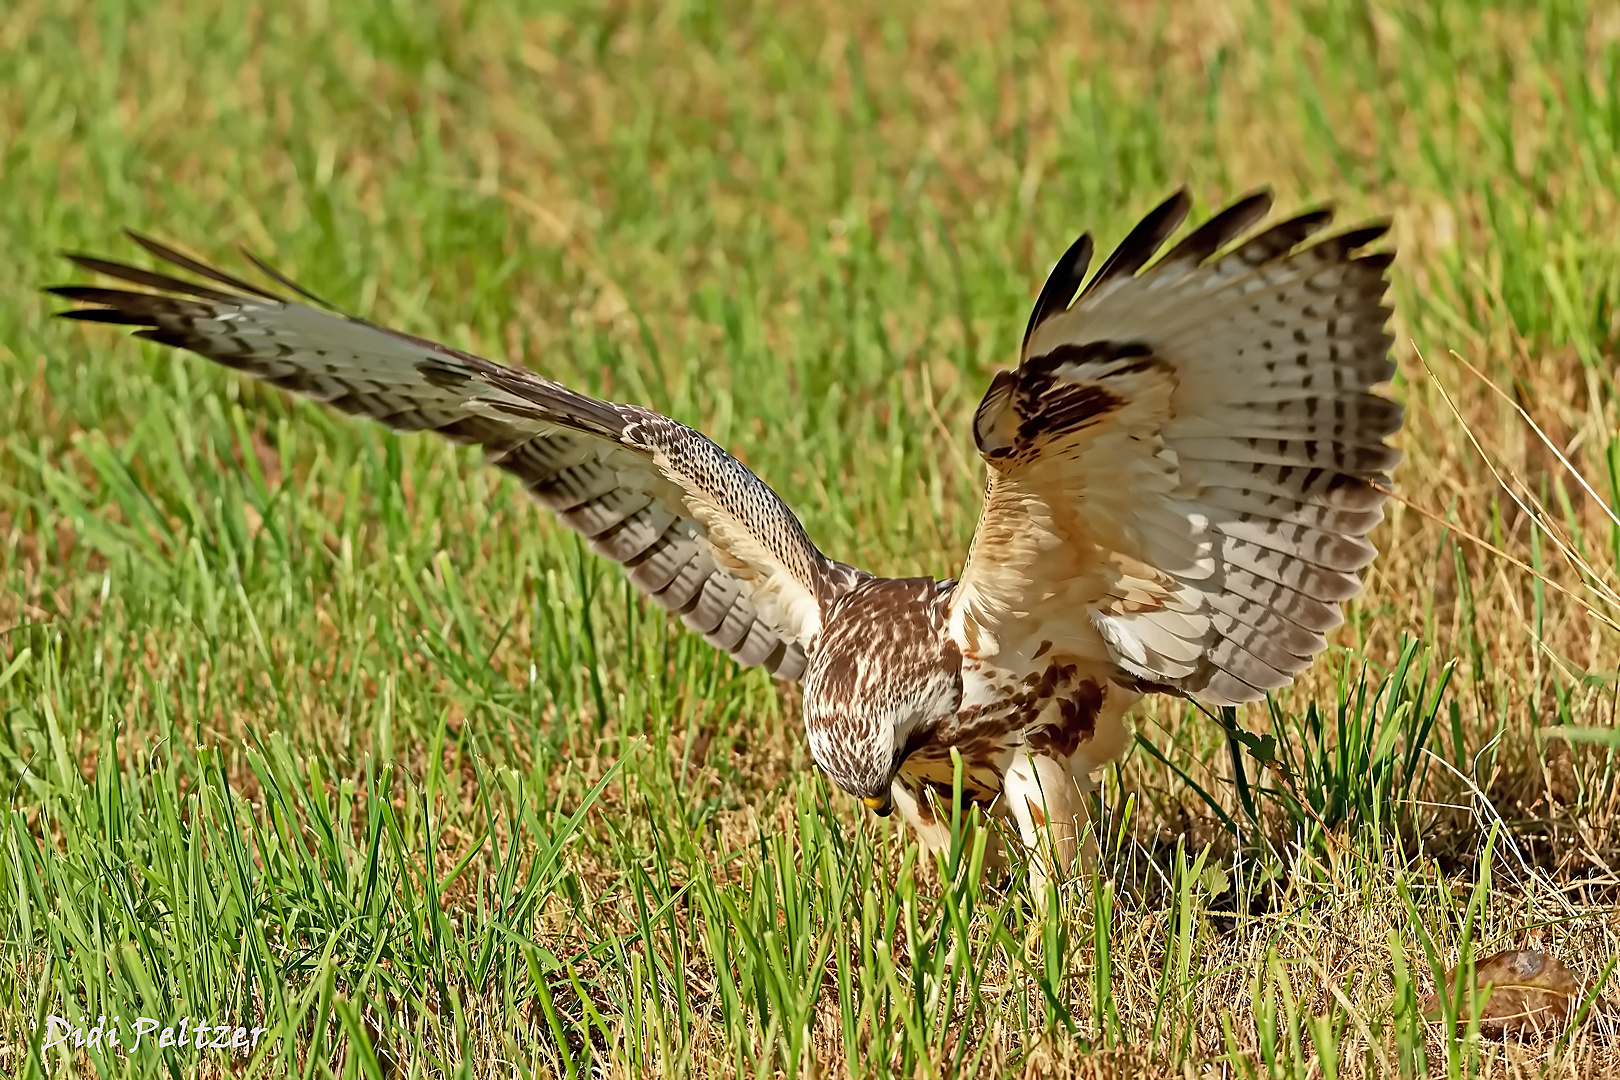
1181,468
696,530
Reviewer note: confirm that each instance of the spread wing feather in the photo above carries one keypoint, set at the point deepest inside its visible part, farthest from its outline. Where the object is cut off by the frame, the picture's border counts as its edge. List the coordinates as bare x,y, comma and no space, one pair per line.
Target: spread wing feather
1182,467
696,530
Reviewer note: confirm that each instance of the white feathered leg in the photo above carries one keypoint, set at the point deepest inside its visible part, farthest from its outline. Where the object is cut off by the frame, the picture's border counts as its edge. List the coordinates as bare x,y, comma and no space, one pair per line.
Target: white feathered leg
1044,798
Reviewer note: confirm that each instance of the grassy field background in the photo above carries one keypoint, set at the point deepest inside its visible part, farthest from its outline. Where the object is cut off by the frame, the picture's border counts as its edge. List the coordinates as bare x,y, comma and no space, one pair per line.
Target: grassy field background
310,727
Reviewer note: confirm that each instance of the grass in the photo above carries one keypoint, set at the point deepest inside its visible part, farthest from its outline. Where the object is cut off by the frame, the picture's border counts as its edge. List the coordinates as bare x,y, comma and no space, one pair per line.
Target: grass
312,728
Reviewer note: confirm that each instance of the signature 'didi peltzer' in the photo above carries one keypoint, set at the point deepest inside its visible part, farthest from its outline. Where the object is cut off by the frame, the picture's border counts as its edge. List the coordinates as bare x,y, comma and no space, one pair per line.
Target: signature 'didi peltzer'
115,1033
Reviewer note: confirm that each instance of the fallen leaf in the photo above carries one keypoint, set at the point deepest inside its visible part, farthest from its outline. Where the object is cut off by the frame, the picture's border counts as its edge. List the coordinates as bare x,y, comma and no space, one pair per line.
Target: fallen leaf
1517,992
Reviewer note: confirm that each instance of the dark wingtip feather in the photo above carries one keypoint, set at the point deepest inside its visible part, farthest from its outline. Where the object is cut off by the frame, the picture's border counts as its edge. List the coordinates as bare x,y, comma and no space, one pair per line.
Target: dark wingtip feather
94,294
271,271
108,315
136,276
1144,240
1362,235
1282,237
1221,229
1061,285
179,340
68,292
170,255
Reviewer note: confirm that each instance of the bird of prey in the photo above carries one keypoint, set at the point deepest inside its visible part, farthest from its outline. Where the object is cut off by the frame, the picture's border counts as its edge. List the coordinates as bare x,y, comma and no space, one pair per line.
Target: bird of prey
1182,471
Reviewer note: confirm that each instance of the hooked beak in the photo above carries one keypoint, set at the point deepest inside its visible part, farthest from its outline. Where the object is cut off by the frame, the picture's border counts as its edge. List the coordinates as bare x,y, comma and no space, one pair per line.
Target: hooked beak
881,805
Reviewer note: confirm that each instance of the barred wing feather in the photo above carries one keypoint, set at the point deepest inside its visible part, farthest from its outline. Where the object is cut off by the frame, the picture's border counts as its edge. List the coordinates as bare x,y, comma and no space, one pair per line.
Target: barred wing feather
1182,469
696,530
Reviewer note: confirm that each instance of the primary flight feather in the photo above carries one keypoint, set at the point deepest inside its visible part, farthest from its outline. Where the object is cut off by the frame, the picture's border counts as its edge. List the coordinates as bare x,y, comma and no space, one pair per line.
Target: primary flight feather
1182,472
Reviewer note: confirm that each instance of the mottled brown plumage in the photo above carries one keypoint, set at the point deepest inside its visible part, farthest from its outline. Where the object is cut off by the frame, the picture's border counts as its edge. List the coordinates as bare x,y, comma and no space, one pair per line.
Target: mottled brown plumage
1182,470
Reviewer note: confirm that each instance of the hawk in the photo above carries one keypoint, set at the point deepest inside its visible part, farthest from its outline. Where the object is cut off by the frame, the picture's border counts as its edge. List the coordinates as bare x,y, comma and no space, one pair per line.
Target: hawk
1182,472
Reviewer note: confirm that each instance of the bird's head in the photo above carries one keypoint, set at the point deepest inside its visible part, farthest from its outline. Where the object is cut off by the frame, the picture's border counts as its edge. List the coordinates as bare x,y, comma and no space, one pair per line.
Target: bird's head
881,677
